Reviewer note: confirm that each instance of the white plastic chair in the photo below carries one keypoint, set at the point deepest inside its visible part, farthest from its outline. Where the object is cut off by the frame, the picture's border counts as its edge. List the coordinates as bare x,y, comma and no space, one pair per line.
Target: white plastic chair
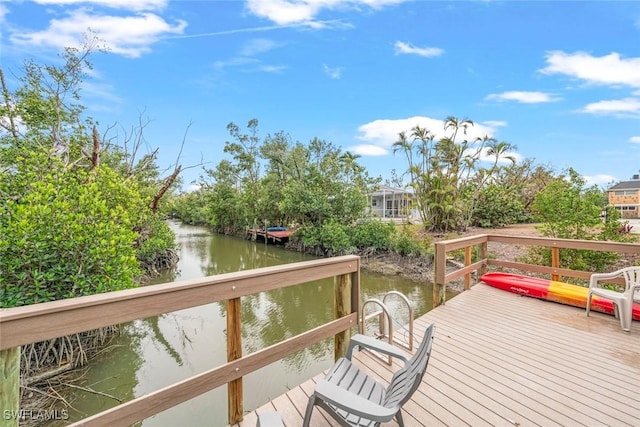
622,301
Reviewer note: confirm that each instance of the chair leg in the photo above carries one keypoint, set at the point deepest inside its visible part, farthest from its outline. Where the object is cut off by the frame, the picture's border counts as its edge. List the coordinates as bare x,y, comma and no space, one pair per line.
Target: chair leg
625,312
399,418
307,414
588,303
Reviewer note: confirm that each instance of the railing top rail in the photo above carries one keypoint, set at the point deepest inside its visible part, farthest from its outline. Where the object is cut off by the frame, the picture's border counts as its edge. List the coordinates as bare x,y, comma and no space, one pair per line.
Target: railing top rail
38,322
462,242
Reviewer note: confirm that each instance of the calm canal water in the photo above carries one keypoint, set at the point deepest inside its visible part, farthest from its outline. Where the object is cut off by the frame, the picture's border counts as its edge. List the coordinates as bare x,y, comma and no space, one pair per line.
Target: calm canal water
155,352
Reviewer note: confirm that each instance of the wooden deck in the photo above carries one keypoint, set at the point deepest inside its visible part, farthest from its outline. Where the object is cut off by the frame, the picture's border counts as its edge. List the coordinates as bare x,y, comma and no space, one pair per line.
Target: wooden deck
505,360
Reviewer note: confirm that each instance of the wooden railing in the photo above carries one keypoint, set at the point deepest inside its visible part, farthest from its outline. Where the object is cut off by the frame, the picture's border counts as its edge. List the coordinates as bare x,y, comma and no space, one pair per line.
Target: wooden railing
441,277
38,322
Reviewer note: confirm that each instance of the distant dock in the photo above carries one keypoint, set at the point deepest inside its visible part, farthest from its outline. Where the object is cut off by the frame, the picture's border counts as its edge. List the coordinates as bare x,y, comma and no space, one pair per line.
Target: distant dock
275,234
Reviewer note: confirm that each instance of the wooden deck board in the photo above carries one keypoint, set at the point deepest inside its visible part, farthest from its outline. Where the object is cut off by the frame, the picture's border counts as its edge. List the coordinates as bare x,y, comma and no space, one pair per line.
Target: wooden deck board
506,360
558,379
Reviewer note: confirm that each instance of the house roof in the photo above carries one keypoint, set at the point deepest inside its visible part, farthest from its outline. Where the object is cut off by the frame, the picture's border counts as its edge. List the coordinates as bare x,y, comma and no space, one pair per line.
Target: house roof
386,190
626,185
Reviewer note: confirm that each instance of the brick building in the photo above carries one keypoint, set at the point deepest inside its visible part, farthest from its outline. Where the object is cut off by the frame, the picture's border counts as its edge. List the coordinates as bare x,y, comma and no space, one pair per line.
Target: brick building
625,196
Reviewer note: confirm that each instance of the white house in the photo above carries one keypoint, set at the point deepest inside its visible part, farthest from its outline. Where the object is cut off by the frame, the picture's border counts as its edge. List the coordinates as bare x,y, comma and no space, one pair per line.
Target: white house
392,203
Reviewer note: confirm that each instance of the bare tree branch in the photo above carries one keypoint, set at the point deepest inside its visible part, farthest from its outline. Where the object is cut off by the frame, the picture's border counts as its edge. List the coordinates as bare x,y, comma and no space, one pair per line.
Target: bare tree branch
7,100
95,155
167,183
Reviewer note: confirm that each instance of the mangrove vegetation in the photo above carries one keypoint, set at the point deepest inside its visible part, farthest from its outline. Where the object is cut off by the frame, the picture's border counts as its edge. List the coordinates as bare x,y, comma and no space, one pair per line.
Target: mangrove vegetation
79,210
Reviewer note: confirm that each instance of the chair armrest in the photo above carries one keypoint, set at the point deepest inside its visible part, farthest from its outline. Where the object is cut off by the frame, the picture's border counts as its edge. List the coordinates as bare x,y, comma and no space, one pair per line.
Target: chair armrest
352,403
595,277
371,343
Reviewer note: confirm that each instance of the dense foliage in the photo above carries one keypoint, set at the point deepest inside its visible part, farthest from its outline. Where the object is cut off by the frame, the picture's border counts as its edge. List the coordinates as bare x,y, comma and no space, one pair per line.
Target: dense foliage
67,236
77,217
277,182
569,209
498,207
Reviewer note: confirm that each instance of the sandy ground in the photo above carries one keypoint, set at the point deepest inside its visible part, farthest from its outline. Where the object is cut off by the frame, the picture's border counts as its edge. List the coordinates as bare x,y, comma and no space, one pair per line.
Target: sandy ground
505,251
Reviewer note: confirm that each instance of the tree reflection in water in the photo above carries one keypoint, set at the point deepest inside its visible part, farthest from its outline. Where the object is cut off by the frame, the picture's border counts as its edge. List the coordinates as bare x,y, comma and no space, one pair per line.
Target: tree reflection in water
156,352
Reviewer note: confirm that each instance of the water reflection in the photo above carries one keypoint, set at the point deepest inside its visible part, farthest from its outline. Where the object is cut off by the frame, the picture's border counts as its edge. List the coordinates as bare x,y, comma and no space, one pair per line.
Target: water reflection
155,352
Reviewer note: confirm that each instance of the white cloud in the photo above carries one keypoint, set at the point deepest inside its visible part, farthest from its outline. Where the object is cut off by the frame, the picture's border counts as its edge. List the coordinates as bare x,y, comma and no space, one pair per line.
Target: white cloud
235,62
101,96
409,49
368,150
606,70
635,139
247,64
334,73
137,5
256,46
383,133
380,135
102,91
193,187
622,107
273,68
18,123
523,97
129,36
599,179
247,57
285,12
3,12
492,124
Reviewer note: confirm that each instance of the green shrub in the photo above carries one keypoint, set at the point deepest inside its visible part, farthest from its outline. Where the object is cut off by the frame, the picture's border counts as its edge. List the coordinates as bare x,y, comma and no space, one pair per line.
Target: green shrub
335,237
372,234
497,207
157,237
406,243
569,209
70,235
331,237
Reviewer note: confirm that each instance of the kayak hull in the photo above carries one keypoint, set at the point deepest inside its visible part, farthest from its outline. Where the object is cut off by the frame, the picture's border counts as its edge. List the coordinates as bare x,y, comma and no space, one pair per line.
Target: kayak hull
551,290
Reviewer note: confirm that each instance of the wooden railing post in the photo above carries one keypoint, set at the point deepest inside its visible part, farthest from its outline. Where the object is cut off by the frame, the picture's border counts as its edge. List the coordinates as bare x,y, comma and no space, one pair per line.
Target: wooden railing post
440,270
555,262
234,351
482,255
342,307
355,289
467,262
10,386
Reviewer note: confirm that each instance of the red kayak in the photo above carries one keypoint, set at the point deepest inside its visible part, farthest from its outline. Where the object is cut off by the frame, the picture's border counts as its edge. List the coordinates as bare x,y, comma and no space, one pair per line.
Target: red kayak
551,290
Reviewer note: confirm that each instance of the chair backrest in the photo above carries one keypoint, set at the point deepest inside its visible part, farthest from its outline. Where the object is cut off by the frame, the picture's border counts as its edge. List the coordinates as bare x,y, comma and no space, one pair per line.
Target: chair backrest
632,279
407,380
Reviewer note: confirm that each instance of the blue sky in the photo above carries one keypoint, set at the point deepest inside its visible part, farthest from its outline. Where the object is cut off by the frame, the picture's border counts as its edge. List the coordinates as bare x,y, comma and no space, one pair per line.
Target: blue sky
558,79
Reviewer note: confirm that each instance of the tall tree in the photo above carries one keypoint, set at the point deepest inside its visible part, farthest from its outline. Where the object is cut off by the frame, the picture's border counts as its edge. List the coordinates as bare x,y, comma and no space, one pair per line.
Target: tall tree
446,175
